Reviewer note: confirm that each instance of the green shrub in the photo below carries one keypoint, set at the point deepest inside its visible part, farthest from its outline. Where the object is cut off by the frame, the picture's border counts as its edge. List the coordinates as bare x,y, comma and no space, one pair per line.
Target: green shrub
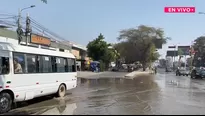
102,66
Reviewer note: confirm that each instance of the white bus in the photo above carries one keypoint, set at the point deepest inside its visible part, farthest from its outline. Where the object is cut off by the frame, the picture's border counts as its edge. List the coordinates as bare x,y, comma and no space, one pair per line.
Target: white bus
27,72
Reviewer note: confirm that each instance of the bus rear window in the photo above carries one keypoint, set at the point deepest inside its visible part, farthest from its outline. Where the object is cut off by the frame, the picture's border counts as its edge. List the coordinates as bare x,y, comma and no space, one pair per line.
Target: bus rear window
4,65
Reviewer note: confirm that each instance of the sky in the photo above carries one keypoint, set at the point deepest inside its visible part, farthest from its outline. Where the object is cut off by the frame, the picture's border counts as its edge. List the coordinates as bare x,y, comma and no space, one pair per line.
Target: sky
81,21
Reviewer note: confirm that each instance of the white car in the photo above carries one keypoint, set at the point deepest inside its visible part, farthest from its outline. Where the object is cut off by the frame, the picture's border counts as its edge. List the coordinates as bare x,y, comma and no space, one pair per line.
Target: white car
183,72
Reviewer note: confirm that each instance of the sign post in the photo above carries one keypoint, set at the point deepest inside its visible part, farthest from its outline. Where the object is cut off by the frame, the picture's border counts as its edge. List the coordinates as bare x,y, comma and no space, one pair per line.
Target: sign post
175,54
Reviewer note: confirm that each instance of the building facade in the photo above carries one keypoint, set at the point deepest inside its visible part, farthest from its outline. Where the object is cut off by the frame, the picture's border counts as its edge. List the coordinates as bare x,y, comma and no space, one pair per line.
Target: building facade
82,60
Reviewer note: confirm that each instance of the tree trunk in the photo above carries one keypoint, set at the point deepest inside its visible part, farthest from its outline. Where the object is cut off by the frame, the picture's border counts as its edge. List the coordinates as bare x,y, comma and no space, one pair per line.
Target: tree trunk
144,66
106,66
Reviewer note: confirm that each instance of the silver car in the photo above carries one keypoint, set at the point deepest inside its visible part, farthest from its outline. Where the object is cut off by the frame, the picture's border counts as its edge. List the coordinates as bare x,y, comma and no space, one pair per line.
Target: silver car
183,72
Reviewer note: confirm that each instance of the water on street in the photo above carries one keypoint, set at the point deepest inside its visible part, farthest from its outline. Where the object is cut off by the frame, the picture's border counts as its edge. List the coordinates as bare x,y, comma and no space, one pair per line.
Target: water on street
163,93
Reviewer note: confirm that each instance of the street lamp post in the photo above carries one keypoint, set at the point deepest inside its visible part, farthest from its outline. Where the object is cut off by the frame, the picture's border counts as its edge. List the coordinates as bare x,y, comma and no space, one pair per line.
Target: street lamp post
175,45
175,49
19,30
191,54
19,14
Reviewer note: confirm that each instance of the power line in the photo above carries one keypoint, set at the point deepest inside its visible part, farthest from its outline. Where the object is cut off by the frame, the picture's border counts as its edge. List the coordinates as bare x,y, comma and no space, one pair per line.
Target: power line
56,36
38,25
51,35
41,26
43,33
8,17
34,24
8,23
43,29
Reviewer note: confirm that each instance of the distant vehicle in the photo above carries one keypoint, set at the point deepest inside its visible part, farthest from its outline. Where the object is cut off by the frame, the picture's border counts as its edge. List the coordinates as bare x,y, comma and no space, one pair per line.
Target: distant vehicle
130,68
115,68
95,66
183,72
112,64
202,73
198,72
168,69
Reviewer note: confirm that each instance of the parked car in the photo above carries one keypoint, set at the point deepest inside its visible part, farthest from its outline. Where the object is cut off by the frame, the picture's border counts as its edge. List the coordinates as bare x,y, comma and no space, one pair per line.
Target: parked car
183,72
168,69
198,72
202,73
130,68
115,68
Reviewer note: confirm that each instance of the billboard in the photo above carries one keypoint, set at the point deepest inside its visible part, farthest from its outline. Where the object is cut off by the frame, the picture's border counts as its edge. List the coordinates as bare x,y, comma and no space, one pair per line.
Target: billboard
184,50
172,53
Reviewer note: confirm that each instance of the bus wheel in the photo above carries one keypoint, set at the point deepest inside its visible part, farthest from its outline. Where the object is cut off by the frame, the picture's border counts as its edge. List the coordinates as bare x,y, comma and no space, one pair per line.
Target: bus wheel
5,102
61,90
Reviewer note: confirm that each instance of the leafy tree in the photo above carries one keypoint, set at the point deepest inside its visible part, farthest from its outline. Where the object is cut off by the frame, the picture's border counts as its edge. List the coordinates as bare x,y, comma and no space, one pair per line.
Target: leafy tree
154,55
199,47
139,43
180,52
99,50
125,49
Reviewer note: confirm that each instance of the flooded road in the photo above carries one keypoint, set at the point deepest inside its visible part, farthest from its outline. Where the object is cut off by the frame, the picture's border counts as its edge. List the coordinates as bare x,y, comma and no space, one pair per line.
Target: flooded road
159,94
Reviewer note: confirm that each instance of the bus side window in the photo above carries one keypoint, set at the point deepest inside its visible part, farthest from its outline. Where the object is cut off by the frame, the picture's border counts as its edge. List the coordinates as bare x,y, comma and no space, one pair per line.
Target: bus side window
32,63
4,65
54,65
45,65
69,65
66,65
19,63
60,64
73,65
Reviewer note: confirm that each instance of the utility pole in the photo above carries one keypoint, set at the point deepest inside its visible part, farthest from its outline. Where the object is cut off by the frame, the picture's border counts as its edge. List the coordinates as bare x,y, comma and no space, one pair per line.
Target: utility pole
19,18
28,29
19,30
174,57
191,62
185,61
192,52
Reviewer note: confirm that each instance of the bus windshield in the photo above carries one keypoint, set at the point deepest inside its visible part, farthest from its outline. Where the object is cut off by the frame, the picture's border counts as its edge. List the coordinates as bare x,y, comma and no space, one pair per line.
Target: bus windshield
4,65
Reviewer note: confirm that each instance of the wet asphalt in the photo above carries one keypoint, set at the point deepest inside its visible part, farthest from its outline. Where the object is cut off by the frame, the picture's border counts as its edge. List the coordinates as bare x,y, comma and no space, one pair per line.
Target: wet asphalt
163,93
